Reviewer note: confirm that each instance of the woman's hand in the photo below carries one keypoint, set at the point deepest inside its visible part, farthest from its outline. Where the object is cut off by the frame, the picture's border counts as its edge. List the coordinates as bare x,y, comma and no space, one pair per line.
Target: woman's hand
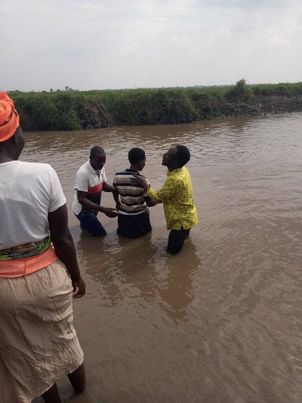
79,288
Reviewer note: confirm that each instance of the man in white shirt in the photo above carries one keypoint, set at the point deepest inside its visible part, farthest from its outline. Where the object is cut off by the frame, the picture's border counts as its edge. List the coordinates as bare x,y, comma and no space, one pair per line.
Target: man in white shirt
90,181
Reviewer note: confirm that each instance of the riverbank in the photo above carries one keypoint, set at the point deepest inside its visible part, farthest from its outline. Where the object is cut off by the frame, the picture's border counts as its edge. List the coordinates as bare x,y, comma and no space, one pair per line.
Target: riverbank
72,110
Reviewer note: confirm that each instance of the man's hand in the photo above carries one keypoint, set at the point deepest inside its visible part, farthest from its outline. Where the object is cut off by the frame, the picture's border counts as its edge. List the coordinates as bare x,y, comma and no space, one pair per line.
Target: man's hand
141,181
79,288
110,212
151,203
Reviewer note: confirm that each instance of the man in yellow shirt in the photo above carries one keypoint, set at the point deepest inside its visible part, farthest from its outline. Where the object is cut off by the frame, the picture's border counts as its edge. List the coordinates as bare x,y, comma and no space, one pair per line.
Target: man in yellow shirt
176,196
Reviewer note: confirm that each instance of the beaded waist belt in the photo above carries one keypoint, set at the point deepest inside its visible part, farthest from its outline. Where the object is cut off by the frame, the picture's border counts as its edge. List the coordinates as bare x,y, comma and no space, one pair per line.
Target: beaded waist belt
25,250
26,259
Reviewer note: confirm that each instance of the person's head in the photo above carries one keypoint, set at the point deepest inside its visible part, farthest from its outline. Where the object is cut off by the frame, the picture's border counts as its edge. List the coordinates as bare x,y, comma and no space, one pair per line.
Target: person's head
11,137
176,157
97,157
137,158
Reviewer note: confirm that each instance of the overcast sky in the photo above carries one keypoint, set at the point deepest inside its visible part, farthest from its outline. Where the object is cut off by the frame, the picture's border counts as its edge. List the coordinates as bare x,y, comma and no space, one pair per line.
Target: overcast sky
98,44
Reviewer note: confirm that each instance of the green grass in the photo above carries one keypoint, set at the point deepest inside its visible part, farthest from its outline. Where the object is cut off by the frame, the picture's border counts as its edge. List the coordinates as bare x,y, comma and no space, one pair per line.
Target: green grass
71,110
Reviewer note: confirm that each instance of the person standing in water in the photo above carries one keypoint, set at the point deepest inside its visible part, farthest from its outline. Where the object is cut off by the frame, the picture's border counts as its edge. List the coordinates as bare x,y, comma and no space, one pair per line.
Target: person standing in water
131,201
90,181
39,274
176,196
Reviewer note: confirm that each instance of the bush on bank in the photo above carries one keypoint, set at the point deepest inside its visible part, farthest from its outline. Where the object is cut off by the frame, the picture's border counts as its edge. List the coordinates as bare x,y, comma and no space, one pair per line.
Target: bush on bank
71,110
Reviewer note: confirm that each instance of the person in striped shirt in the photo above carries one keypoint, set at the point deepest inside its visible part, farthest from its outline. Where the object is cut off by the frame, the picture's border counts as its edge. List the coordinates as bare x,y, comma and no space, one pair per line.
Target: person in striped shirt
131,201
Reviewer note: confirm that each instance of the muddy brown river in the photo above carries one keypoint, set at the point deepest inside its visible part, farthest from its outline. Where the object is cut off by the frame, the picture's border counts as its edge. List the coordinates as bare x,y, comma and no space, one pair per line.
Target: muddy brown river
222,321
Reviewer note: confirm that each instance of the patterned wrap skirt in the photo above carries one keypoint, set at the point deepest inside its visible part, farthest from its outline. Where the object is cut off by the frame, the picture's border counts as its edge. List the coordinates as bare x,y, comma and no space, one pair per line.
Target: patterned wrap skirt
38,343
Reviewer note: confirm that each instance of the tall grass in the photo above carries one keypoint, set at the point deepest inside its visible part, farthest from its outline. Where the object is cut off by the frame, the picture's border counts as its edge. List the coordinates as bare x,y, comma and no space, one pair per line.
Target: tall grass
71,110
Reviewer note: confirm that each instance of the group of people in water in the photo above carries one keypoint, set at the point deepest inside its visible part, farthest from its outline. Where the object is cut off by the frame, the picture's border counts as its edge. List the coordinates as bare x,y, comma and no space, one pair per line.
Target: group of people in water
134,195
39,272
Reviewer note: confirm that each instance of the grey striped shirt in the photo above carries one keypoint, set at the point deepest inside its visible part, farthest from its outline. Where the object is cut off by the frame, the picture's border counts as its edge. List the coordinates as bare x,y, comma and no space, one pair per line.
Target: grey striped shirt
132,196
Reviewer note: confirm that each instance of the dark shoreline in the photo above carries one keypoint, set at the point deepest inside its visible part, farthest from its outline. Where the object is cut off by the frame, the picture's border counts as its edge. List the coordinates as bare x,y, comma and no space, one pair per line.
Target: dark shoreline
72,110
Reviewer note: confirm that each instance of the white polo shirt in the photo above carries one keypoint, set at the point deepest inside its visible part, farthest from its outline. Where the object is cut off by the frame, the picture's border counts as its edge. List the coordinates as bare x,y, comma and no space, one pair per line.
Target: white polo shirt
88,180
28,192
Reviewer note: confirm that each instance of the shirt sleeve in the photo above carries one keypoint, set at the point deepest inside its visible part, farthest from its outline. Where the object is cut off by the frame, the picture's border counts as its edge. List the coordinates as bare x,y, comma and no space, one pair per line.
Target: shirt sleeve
57,197
103,173
170,189
81,182
146,192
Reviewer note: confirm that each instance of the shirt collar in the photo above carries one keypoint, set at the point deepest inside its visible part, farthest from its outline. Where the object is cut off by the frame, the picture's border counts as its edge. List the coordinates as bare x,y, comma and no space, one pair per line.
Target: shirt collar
175,171
92,170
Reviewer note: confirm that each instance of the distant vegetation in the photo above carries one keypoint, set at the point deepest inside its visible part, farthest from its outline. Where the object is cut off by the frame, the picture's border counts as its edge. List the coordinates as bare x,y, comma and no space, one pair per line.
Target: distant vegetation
71,109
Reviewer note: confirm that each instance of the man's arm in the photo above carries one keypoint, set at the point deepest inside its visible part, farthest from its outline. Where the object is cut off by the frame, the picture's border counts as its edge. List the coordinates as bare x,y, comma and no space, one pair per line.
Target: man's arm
149,202
116,196
107,187
82,198
170,189
113,190
64,246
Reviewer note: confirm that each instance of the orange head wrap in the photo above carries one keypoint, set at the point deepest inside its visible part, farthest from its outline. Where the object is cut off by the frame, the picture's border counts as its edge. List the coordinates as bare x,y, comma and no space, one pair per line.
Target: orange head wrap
9,118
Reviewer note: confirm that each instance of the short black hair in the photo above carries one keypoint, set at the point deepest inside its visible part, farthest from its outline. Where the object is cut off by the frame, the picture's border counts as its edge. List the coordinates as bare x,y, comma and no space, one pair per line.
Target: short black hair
96,151
183,155
135,155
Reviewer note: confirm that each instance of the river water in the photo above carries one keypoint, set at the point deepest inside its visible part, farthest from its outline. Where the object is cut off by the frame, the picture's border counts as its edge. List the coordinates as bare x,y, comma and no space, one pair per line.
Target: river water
221,322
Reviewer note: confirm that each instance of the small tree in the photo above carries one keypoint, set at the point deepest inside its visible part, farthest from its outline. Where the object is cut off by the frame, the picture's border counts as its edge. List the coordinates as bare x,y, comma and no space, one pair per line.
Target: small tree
241,91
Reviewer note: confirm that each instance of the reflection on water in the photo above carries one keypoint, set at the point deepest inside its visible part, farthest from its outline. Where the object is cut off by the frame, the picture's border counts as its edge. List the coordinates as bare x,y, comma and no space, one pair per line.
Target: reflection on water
221,322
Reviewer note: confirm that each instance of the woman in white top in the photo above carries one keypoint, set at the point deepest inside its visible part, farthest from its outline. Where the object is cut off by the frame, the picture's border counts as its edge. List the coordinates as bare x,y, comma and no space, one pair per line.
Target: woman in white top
38,275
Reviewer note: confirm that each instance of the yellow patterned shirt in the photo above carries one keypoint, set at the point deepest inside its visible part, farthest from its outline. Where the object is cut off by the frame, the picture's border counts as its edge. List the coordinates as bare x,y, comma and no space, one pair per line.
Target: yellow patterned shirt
177,198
